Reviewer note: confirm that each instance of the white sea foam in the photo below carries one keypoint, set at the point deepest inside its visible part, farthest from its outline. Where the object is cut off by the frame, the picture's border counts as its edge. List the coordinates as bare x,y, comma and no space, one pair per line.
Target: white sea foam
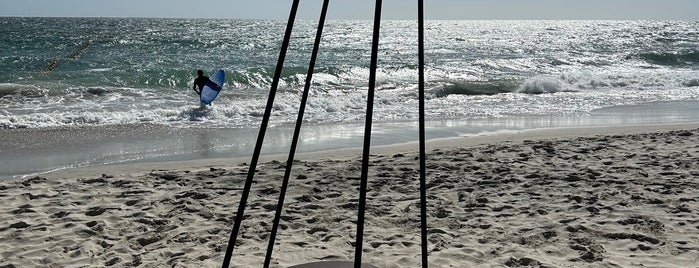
544,84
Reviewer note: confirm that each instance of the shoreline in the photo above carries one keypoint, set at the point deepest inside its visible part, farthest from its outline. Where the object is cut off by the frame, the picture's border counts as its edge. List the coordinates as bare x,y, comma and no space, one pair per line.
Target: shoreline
24,152
355,152
611,196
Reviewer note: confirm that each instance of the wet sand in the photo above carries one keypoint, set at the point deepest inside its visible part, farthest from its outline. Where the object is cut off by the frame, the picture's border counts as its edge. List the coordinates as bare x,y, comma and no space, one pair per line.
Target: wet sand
33,151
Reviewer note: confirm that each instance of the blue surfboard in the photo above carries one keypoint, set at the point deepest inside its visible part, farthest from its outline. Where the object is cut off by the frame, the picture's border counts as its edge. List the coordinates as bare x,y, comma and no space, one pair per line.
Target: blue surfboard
212,87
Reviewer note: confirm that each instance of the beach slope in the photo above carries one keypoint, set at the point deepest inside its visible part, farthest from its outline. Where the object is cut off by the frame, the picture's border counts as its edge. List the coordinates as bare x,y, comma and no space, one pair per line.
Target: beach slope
603,197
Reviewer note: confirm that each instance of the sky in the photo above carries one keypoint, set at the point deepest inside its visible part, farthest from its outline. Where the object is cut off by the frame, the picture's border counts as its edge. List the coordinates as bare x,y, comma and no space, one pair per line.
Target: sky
359,9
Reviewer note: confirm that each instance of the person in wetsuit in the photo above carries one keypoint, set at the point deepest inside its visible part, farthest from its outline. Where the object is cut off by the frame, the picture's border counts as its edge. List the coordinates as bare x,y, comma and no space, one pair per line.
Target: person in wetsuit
199,82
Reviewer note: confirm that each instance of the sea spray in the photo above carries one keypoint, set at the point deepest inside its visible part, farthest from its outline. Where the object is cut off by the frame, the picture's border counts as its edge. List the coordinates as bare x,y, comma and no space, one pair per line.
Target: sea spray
541,85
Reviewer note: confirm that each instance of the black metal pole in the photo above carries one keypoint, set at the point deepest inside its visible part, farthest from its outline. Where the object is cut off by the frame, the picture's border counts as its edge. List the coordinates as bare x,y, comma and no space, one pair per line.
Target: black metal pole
421,96
260,137
297,130
367,136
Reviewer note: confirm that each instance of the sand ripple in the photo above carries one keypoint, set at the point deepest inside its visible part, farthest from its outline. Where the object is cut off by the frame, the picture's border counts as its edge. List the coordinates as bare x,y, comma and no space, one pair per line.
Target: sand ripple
602,201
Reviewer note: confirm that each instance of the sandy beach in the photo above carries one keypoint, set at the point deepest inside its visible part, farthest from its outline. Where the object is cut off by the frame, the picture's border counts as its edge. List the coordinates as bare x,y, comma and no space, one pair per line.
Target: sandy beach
592,197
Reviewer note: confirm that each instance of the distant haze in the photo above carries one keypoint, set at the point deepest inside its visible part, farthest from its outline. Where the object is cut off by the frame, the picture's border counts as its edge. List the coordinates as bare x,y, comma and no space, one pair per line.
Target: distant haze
361,9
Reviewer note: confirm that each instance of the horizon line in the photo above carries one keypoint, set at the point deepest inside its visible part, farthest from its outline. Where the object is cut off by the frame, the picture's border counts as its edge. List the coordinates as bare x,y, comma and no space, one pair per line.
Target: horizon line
367,19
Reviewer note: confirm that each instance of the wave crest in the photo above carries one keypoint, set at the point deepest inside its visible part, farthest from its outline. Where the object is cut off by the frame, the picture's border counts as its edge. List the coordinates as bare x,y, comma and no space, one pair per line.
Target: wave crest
543,85
473,88
536,85
672,59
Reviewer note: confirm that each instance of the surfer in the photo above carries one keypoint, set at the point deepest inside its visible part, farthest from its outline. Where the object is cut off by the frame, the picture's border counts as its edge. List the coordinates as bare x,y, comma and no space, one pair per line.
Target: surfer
199,82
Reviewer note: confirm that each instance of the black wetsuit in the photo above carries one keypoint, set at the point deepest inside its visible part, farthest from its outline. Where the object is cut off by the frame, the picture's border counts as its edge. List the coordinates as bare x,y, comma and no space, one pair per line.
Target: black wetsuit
200,82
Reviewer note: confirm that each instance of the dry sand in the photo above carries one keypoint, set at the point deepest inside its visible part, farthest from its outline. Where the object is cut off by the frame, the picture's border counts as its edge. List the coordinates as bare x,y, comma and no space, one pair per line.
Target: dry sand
599,197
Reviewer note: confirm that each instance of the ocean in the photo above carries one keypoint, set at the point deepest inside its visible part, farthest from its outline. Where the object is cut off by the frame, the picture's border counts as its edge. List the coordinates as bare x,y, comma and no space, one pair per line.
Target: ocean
481,76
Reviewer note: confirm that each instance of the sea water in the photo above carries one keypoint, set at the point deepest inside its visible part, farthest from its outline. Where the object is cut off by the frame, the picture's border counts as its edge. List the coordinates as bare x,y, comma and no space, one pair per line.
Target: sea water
93,72
141,70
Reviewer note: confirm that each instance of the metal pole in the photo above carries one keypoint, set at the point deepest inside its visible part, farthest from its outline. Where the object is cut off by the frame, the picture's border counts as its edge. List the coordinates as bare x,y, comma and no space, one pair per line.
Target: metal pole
367,136
421,96
260,137
297,130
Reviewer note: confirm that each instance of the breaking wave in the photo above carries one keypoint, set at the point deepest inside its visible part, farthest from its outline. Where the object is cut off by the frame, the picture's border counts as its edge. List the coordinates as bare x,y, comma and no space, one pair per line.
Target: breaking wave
477,88
535,85
672,59
543,85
